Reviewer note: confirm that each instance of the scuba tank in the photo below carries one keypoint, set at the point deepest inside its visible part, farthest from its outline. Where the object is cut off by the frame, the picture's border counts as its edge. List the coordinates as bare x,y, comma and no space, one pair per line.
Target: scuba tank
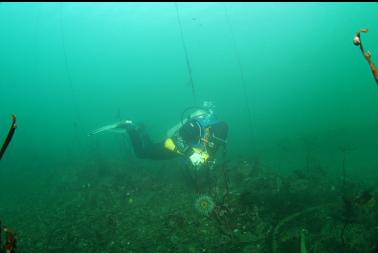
198,111
193,112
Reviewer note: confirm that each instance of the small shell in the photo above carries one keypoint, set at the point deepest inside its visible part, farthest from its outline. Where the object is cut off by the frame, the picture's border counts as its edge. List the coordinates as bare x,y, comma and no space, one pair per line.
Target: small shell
356,41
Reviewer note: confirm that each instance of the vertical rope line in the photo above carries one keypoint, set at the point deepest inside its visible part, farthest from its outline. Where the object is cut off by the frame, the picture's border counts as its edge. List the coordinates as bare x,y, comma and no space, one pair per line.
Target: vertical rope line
63,39
240,67
188,65
68,73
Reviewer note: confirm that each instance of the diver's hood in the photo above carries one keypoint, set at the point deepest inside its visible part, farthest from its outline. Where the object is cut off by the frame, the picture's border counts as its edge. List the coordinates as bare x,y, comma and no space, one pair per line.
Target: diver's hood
196,114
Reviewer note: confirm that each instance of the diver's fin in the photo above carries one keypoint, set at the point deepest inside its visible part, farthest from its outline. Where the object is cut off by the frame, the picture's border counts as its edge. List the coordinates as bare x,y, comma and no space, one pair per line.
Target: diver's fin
119,127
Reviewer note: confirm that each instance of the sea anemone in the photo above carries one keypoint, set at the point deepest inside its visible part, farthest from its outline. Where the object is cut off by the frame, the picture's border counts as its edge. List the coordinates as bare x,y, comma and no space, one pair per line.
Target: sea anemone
204,204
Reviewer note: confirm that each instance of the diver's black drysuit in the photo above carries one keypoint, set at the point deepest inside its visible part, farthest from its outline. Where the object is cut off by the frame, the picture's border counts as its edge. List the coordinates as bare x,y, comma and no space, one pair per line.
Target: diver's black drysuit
146,149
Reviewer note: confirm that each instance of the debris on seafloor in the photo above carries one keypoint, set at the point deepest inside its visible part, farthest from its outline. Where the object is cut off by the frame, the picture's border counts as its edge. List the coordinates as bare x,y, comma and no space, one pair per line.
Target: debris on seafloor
248,208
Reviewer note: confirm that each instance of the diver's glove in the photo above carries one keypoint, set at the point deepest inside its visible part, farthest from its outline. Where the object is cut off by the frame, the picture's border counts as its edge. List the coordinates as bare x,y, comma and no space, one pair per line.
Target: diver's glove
197,160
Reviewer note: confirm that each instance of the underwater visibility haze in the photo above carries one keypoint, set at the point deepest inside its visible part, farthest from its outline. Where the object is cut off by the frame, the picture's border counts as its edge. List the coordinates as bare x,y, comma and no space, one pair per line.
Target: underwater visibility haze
286,156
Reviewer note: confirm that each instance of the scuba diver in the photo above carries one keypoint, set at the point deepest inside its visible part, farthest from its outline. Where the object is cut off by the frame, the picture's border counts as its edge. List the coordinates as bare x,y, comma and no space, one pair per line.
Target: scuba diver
197,138
358,42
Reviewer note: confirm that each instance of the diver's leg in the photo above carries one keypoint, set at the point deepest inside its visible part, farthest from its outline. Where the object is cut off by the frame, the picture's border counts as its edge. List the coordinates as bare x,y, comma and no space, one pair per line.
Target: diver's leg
157,151
144,148
139,140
